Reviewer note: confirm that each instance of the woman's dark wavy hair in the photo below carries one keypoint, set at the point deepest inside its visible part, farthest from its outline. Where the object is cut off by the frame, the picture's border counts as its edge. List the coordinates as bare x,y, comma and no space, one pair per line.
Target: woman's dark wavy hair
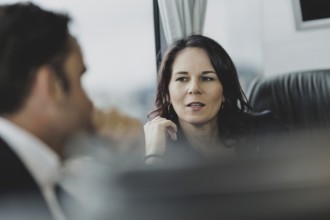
233,118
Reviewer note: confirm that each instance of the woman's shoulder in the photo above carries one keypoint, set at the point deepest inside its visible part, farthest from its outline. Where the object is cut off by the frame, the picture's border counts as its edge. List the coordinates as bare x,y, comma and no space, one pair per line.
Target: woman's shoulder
266,122
261,123
264,137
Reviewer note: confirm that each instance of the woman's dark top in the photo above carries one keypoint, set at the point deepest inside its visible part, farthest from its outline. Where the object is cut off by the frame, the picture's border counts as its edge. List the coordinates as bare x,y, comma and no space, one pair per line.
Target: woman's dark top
262,139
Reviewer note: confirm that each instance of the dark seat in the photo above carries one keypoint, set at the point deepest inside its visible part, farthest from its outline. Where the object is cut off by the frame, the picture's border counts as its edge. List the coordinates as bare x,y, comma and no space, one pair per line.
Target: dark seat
300,99
287,188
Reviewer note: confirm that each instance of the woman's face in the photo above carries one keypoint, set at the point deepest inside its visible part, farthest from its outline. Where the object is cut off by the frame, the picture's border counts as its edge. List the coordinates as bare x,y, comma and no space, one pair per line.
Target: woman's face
195,90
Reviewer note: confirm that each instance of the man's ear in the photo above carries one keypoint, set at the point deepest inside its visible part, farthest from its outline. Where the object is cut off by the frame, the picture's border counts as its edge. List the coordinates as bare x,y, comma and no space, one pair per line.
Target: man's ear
46,86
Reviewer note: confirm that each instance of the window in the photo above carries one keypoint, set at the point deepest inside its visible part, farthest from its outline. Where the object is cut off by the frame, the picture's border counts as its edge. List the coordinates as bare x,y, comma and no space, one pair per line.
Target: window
117,40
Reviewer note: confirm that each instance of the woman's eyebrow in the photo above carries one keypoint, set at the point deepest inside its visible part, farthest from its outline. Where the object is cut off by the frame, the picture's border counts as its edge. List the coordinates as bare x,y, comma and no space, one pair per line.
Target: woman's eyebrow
181,73
208,71
186,73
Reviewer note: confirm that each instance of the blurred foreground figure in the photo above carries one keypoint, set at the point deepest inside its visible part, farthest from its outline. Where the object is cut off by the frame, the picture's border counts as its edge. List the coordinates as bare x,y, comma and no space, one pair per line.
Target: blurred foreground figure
289,186
42,106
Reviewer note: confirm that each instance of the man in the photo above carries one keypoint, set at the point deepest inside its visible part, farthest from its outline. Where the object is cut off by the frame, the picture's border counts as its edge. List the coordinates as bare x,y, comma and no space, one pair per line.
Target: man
42,106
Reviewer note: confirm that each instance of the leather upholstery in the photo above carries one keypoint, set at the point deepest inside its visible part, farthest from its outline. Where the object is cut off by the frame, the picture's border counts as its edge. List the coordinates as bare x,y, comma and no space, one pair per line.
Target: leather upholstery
300,99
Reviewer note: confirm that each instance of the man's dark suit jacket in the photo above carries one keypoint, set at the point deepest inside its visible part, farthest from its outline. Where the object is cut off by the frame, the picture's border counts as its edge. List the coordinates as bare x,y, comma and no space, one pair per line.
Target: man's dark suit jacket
20,196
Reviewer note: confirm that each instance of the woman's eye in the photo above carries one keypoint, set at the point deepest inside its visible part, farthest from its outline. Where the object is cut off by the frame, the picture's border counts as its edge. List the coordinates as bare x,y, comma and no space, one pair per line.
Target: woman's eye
205,78
182,79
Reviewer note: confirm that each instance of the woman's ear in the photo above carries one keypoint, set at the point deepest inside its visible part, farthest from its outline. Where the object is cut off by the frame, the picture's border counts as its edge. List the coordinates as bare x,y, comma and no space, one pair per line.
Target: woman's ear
168,98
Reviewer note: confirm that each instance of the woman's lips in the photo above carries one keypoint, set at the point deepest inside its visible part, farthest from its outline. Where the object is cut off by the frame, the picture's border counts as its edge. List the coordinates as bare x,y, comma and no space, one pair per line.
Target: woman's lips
195,106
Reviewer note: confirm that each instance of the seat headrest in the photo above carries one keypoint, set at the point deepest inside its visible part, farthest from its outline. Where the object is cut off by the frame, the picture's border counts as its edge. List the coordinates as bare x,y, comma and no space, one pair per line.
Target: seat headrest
299,99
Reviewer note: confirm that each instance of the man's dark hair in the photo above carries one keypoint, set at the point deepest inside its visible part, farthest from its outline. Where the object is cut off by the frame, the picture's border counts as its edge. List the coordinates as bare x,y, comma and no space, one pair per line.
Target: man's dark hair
29,38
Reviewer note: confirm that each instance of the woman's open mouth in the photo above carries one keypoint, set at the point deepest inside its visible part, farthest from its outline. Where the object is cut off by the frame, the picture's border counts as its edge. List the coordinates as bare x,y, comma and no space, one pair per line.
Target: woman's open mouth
195,106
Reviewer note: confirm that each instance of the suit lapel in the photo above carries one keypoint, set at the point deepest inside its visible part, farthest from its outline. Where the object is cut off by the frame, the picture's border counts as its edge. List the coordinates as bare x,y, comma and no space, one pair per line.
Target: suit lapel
18,189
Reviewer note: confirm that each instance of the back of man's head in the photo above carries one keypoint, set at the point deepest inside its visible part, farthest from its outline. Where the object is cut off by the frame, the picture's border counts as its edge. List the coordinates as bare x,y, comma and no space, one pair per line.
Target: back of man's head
29,38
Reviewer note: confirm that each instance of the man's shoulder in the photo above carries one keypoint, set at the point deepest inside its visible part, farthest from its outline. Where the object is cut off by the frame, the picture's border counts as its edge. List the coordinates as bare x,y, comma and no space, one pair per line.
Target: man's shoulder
13,171
8,156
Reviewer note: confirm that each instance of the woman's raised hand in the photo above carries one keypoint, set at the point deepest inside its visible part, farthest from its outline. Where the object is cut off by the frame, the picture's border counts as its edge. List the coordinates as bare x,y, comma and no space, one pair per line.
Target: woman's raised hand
156,132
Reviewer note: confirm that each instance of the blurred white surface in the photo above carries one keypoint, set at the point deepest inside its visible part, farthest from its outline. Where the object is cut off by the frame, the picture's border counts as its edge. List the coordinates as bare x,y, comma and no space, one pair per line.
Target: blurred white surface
117,39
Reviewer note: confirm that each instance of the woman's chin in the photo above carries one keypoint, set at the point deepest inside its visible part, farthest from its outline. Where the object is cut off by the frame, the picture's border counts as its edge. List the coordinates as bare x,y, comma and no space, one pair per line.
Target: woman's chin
197,121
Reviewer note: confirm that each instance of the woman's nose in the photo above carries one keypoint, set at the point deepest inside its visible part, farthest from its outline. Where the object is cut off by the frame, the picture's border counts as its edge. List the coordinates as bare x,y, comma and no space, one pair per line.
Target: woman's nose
194,88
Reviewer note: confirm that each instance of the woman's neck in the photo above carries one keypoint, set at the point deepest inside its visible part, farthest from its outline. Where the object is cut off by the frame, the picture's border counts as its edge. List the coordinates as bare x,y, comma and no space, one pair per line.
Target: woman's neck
200,136
206,140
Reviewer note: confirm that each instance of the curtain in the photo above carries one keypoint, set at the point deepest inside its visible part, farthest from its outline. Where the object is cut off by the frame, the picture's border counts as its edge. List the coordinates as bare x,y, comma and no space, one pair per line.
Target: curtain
181,18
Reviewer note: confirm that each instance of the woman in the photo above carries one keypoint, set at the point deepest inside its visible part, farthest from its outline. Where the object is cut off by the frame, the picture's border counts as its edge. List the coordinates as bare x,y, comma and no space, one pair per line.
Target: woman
200,105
